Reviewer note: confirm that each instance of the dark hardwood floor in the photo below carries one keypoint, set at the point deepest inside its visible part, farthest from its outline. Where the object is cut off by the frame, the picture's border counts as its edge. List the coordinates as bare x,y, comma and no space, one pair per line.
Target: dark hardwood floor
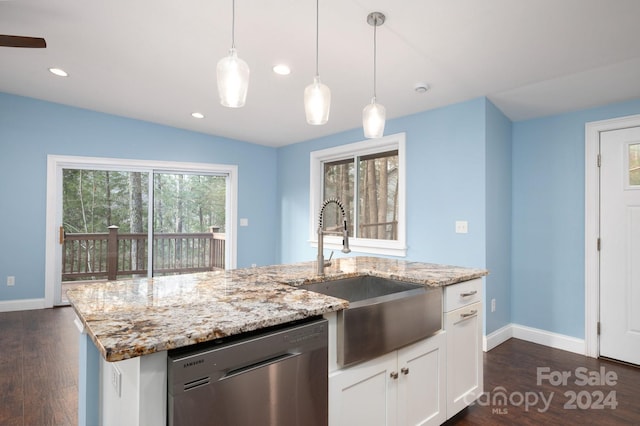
570,389
38,368
39,358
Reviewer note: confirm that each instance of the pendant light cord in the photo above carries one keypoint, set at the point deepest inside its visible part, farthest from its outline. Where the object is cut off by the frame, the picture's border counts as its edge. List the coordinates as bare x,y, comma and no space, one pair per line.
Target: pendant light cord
375,28
317,34
233,24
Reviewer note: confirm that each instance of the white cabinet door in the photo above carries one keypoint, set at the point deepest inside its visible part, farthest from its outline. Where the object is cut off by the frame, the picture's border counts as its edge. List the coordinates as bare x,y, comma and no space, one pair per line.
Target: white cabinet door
421,383
364,394
464,357
404,387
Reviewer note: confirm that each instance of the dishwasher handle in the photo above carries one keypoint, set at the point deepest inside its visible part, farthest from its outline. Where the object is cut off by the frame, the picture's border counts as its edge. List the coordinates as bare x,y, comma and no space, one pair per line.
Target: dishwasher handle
254,366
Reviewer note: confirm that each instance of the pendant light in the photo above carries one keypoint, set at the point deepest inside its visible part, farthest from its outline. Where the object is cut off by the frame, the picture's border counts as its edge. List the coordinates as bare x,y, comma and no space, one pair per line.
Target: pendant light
317,96
373,115
233,73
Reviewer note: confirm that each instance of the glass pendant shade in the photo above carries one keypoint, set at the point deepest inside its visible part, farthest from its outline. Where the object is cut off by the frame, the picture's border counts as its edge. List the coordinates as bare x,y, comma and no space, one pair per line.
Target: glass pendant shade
373,120
317,102
233,80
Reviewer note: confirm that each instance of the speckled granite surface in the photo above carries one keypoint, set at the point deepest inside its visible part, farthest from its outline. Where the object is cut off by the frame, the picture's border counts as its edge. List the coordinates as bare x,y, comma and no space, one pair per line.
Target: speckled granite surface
126,319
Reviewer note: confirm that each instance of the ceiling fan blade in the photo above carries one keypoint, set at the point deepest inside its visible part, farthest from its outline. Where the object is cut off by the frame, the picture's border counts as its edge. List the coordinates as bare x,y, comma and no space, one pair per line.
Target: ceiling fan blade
20,41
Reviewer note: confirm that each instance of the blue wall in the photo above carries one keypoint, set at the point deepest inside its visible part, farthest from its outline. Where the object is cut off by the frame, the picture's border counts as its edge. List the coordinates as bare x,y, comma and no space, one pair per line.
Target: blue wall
548,218
445,158
498,200
458,168
519,185
32,129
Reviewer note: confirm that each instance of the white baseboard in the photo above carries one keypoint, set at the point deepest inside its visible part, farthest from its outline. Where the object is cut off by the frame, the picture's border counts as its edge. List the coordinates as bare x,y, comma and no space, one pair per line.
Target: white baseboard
534,335
499,336
21,305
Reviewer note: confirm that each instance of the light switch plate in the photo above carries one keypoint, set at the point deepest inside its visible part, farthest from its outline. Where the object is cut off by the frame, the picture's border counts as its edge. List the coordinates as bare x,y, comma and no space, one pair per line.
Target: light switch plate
462,227
244,221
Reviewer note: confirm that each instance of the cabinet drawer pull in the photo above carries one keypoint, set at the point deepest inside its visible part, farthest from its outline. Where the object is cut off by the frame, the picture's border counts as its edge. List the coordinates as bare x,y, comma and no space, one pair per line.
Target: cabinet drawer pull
394,375
469,314
469,293
404,370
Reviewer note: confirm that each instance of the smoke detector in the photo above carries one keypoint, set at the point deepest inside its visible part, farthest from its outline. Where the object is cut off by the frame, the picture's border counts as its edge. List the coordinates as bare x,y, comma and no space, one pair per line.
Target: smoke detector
421,88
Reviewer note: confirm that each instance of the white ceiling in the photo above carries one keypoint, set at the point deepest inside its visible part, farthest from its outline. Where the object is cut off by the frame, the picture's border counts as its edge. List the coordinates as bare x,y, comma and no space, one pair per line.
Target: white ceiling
155,60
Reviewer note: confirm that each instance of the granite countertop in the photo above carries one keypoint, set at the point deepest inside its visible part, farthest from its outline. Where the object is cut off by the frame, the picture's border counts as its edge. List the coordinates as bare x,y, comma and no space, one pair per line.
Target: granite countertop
131,318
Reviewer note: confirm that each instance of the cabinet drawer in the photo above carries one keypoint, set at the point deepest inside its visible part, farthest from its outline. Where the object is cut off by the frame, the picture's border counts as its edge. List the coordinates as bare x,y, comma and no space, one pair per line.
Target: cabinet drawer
462,294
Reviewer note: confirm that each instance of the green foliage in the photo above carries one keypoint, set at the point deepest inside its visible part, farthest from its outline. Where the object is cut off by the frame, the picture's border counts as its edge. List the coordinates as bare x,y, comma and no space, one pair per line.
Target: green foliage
188,203
95,199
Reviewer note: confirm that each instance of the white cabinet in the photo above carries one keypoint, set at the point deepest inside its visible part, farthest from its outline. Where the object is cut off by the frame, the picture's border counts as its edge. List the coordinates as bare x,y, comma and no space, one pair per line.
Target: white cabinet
364,394
462,294
404,387
463,326
422,384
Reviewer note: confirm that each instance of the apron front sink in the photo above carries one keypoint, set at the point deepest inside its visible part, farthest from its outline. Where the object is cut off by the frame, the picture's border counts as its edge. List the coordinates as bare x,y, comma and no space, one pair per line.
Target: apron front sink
383,315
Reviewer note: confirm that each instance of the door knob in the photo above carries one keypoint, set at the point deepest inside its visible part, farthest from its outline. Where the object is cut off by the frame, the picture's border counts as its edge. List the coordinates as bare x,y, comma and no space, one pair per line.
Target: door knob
394,375
405,370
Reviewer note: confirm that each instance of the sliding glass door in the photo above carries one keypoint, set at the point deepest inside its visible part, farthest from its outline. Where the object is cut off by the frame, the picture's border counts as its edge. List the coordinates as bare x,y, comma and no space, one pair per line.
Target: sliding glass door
119,224
189,223
104,225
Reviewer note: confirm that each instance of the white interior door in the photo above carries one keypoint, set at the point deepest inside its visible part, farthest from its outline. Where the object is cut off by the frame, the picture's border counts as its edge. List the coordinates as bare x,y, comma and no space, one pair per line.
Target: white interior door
620,245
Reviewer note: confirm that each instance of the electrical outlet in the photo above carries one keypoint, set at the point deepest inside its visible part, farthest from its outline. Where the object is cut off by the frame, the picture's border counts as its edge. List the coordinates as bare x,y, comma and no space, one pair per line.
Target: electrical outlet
493,305
11,281
462,227
116,380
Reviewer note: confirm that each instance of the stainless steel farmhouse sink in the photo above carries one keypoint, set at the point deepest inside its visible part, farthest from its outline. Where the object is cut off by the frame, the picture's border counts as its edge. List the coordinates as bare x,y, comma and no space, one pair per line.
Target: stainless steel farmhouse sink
383,315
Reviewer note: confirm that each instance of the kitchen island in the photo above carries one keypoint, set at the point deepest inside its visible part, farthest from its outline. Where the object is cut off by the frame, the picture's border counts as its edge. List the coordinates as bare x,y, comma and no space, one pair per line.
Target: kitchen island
127,326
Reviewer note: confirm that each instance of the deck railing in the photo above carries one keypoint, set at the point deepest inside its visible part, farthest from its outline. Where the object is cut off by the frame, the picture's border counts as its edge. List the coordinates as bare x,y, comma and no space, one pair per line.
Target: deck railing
385,230
381,230
112,255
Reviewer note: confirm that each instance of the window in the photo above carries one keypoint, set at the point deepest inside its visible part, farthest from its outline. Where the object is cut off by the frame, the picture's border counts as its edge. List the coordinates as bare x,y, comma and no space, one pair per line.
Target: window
368,178
634,164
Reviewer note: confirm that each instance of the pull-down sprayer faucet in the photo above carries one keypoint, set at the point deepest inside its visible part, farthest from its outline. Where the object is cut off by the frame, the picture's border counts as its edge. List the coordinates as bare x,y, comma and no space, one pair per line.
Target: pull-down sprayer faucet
321,233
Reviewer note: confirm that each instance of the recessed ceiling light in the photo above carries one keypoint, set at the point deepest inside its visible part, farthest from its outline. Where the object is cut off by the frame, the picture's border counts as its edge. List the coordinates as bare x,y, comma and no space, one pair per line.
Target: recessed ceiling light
59,72
282,69
197,115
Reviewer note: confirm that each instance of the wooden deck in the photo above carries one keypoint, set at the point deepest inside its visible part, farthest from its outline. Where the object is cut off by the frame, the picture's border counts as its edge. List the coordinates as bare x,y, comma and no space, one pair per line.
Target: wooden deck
113,255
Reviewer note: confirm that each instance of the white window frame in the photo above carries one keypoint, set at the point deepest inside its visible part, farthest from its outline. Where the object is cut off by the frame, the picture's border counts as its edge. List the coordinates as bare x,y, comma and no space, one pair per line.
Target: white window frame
372,146
55,165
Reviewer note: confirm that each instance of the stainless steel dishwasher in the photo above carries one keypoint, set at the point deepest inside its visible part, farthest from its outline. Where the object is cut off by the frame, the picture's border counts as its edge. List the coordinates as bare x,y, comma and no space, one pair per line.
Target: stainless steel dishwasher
277,377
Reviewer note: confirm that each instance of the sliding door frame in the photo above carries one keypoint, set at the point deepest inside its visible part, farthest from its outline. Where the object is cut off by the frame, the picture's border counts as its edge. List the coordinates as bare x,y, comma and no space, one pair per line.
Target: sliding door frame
55,166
